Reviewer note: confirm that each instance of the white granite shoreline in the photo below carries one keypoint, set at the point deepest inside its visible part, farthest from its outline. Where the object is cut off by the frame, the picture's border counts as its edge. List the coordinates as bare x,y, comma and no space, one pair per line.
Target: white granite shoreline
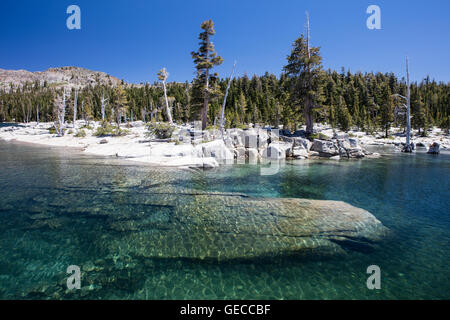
205,152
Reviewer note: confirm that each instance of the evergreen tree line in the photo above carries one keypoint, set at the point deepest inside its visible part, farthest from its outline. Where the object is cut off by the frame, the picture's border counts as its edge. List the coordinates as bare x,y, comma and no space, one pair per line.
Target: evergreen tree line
363,101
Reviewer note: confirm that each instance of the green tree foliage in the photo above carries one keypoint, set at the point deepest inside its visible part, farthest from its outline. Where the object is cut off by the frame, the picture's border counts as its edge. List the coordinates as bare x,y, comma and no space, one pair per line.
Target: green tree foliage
120,104
262,100
304,67
343,117
386,109
205,59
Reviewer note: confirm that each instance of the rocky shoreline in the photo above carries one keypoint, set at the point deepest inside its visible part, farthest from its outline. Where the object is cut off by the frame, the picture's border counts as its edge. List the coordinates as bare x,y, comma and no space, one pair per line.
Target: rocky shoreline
190,147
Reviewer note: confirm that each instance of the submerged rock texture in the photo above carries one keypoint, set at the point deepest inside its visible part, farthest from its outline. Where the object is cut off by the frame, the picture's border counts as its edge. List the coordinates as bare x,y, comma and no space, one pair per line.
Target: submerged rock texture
177,223
223,227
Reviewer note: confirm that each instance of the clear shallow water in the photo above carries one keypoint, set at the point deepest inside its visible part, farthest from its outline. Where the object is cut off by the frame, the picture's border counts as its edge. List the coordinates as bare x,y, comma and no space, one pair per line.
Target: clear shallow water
44,228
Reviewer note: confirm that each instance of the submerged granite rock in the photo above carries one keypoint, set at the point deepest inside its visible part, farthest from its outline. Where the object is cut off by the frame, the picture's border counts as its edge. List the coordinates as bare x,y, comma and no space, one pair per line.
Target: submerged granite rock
163,220
223,227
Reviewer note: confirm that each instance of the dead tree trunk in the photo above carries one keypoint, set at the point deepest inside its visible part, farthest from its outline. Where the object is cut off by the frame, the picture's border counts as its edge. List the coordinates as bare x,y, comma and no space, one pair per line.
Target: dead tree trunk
408,147
75,106
206,91
222,114
61,111
308,103
103,101
163,75
82,111
144,111
151,111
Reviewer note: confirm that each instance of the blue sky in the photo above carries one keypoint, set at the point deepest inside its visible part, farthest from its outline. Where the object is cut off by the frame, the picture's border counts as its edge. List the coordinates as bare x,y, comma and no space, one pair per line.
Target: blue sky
132,40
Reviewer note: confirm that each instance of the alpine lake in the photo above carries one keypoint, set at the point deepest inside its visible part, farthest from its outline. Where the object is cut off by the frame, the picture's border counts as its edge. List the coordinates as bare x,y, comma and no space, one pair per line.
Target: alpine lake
142,232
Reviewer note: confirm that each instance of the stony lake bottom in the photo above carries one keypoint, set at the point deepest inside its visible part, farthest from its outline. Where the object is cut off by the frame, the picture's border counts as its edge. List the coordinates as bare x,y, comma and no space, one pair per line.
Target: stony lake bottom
61,208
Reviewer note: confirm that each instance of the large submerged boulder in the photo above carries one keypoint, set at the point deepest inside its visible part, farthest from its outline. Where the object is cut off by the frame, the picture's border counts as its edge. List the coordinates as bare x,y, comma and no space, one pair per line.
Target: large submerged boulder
231,226
167,221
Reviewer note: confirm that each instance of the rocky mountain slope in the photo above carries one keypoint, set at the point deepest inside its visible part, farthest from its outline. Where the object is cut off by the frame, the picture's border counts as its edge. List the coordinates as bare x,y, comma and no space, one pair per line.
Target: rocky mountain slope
68,76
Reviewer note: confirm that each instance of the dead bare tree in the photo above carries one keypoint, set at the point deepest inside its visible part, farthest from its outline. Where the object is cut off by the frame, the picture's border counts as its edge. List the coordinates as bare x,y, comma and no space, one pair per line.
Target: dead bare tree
75,106
82,111
103,101
61,111
222,114
162,76
408,111
143,113
151,111
408,147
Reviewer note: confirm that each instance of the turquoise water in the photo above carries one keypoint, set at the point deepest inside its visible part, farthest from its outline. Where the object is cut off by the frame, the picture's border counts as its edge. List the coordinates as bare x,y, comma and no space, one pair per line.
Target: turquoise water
60,208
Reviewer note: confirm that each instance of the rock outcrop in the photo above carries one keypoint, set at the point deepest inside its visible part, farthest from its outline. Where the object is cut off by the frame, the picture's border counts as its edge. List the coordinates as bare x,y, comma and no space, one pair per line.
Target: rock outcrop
342,147
273,147
216,149
274,152
325,148
67,76
434,148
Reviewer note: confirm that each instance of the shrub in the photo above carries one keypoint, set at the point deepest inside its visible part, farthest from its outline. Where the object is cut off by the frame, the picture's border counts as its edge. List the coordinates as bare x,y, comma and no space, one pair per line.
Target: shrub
88,127
242,126
54,130
121,132
160,130
81,134
106,130
319,136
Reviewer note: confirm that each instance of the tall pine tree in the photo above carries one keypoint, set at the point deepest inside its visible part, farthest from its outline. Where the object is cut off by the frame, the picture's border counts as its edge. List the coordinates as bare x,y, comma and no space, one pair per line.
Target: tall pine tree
305,66
205,59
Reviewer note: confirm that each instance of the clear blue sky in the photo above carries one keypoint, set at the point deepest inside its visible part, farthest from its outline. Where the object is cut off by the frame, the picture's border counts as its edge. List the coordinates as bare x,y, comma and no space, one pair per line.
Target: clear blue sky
132,40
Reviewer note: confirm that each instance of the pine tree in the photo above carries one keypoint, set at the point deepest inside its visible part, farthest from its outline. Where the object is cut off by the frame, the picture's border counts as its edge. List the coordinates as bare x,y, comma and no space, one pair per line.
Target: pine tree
419,118
205,59
304,66
120,104
343,117
386,109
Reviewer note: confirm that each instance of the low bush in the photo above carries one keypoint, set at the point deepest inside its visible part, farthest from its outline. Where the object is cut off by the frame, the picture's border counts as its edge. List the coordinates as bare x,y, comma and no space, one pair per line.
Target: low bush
106,130
160,130
80,134
88,127
54,130
319,136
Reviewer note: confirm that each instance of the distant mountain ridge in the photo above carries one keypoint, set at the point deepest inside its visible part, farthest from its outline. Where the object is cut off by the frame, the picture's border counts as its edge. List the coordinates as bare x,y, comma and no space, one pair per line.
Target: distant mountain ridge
56,77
